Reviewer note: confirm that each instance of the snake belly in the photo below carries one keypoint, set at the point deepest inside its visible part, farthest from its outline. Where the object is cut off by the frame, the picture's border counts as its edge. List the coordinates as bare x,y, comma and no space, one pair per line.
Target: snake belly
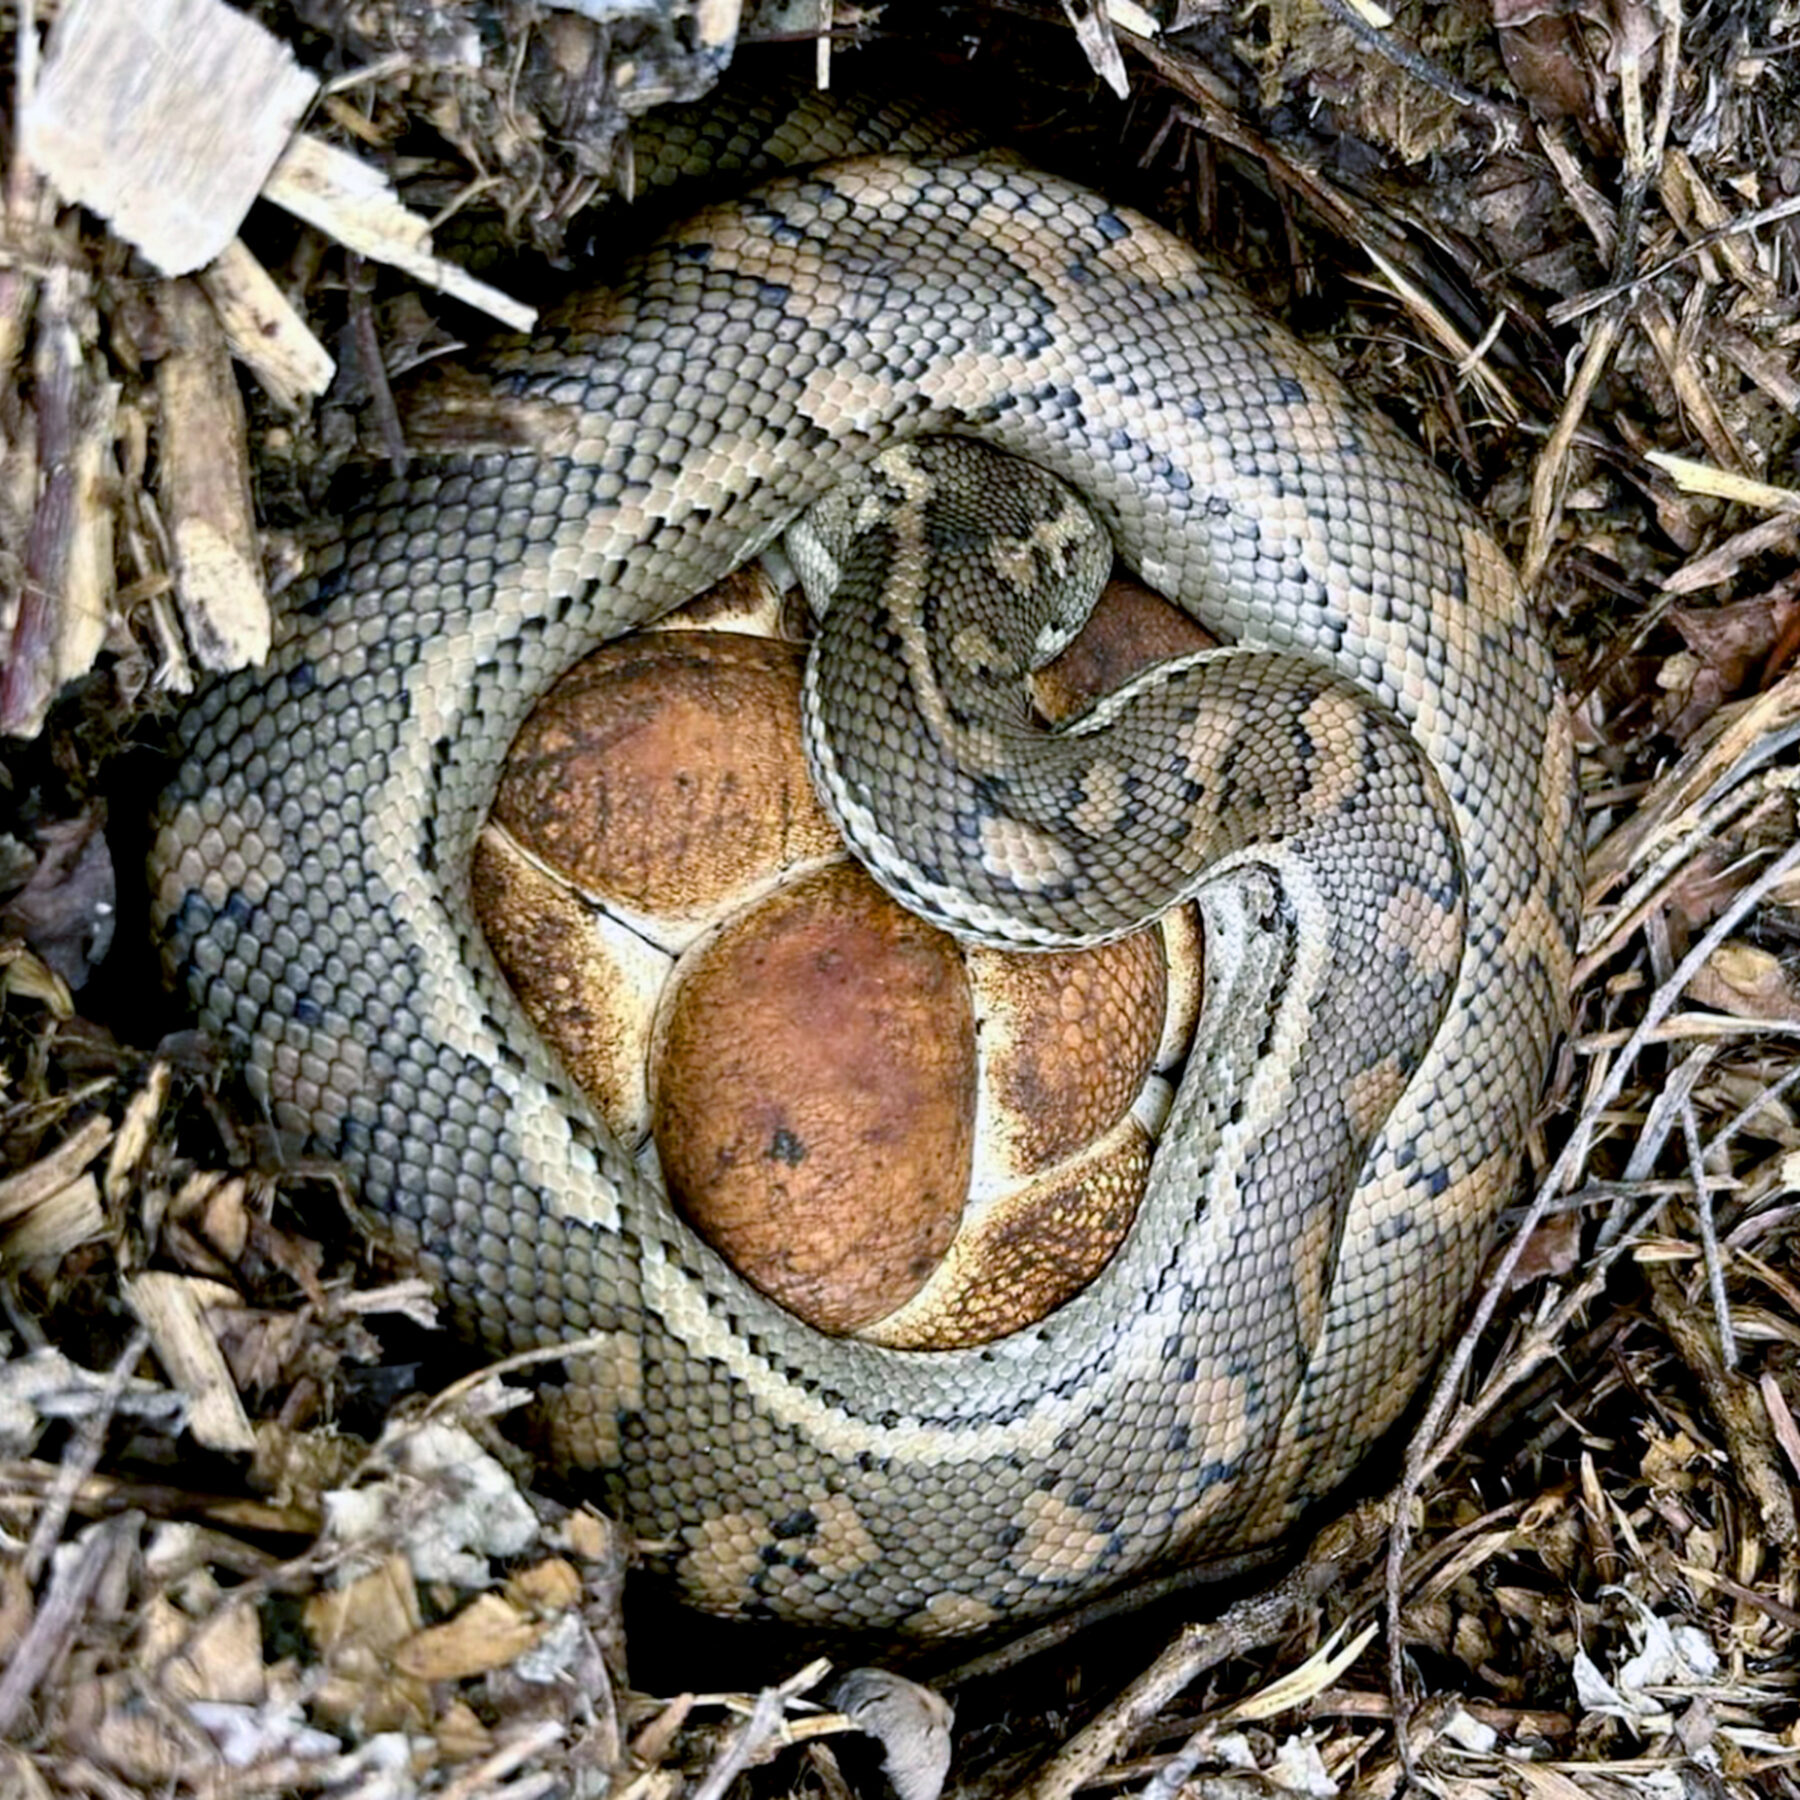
310,877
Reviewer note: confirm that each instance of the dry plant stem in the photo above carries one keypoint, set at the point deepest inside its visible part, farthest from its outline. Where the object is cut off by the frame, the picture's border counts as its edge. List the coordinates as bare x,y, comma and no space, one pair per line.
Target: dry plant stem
1431,1441
71,1585
1709,1240
30,671
1541,1343
58,1616
1692,804
80,1459
1425,1452
101,1496
445,1398
1214,115
1547,475
1694,204
533,1742
1467,358
1643,157
1658,865
1642,161
1742,1117
1566,312
1753,1598
1387,1775
1736,1406
1665,1111
745,1747
1693,396
1250,1624
1596,212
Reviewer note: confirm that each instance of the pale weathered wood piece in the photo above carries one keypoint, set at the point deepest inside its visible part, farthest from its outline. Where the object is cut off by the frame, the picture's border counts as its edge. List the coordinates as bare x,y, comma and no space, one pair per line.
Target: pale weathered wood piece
264,331
350,200
203,485
164,119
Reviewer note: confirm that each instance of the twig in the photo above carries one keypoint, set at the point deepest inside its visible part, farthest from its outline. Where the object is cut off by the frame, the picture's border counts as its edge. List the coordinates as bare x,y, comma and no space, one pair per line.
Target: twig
1665,1111
746,1743
80,1459
1709,1239
1508,125
1736,1406
1742,1117
72,1583
374,366
1252,1623
542,1736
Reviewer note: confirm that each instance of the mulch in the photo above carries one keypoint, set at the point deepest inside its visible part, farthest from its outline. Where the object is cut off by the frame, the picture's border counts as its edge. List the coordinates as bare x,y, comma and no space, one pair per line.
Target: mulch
251,1542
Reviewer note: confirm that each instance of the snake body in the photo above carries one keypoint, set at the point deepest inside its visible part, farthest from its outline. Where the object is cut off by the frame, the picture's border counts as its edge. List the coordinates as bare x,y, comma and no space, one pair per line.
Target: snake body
1327,1186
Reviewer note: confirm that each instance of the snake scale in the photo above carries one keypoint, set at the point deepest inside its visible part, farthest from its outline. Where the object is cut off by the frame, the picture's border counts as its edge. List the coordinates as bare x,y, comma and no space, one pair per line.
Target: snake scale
1382,765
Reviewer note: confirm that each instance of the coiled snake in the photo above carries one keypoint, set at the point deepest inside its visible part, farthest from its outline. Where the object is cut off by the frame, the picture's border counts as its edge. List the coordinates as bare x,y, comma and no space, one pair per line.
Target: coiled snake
1388,754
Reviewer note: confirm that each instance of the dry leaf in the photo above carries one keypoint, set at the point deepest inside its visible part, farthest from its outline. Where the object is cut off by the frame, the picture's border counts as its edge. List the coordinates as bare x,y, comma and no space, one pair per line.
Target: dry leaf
487,1634
1747,982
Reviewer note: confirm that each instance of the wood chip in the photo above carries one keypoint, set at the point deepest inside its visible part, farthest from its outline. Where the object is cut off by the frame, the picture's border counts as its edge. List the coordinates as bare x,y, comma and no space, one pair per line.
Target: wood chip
459,1732
349,200
203,483
487,1634
221,1658
164,119
51,1173
172,1308
70,1217
376,1611
264,331
137,1131
545,1587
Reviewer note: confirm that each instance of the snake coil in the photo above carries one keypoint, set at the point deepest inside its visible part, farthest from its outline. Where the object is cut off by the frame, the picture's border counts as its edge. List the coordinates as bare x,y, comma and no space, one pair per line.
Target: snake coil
1326,1194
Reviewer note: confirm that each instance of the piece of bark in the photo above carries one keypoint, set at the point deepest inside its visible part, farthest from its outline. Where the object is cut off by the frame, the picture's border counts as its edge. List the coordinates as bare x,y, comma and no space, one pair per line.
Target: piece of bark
203,484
